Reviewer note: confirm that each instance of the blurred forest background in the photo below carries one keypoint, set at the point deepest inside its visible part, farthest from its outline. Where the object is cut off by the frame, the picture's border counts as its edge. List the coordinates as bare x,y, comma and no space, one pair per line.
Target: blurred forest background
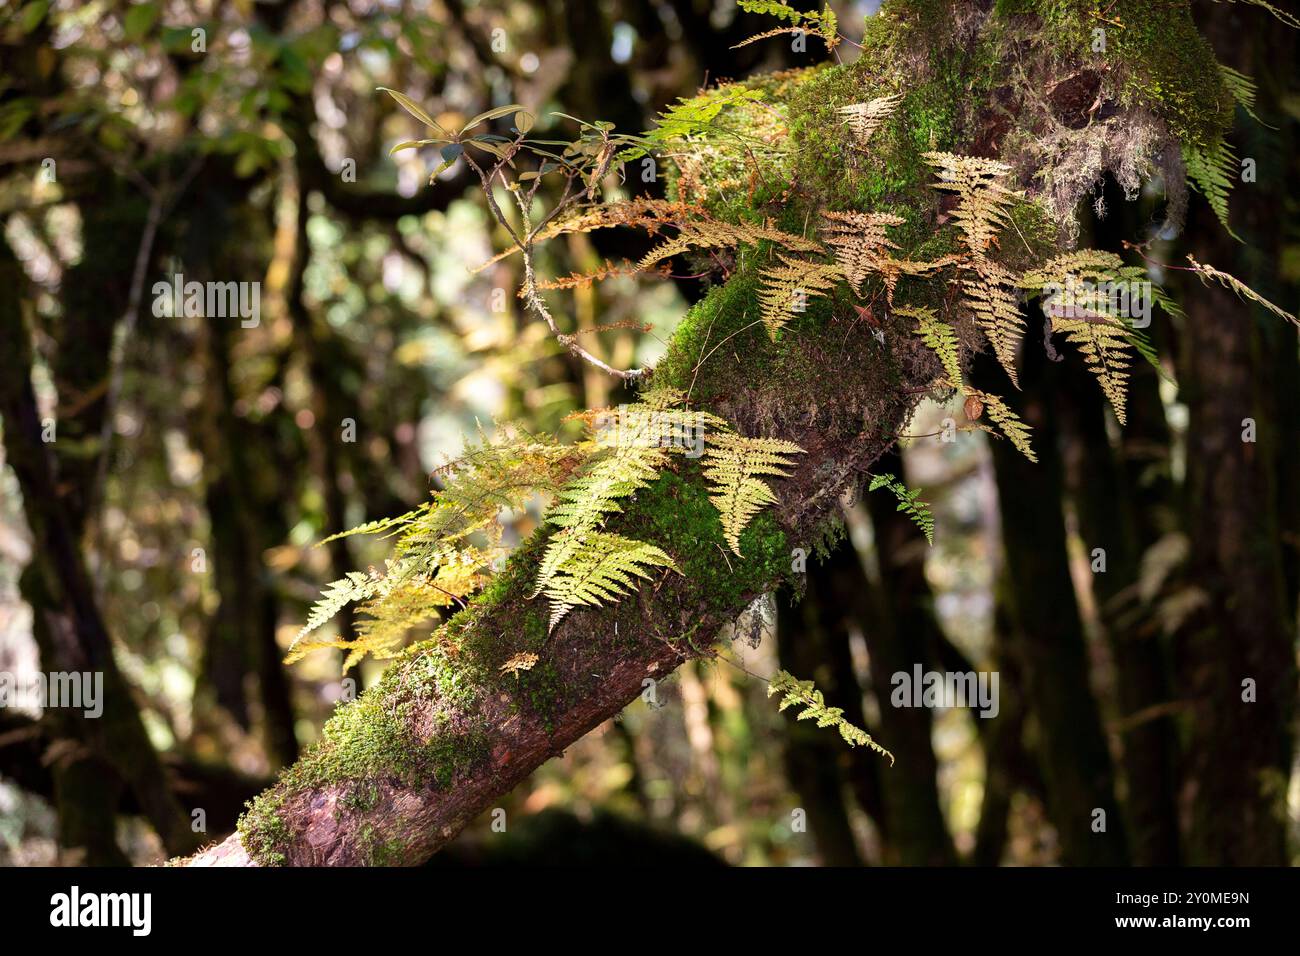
198,461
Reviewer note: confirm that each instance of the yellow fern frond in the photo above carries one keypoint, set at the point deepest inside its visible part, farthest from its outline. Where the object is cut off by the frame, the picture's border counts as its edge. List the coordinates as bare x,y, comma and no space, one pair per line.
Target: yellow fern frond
863,119
523,661
708,233
1103,343
786,288
596,568
992,295
1016,431
983,197
939,337
1211,169
804,694
733,464
859,241
1207,272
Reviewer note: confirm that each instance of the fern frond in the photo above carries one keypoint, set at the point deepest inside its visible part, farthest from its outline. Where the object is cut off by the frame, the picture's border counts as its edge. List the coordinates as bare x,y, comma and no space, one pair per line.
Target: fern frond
939,337
1008,422
353,587
1211,169
1243,90
858,241
787,286
523,661
1208,272
990,292
708,233
823,23
863,119
596,568
374,527
983,196
803,693
733,464
1102,342
1288,18
909,502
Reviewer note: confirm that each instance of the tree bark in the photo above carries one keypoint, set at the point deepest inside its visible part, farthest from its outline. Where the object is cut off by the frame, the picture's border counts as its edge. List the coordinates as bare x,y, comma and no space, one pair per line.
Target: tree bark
1050,643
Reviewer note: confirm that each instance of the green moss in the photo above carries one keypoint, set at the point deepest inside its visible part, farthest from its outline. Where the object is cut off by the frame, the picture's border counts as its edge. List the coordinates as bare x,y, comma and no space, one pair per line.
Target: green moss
262,829
675,512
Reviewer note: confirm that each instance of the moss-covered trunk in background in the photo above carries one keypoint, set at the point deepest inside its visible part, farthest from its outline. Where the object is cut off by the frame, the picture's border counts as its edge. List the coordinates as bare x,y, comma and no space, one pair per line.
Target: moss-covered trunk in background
1049,639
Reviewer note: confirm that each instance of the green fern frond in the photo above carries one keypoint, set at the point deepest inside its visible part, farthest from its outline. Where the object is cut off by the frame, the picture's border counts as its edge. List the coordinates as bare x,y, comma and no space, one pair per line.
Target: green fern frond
733,464
1243,90
824,22
594,568
1211,169
909,502
939,337
353,587
374,527
803,693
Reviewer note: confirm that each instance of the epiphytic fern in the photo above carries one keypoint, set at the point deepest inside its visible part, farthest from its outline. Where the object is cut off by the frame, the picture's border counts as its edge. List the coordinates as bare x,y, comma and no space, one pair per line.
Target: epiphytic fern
630,447
1008,422
1210,169
707,233
390,614
1242,88
1103,342
863,119
991,293
444,547
824,23
786,289
983,201
983,197
939,337
803,693
1079,292
1208,272
859,241
602,567
734,465
909,502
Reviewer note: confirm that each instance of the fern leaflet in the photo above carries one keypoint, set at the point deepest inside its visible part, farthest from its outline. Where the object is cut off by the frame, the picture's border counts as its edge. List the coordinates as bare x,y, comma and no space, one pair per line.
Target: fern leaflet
803,693
733,464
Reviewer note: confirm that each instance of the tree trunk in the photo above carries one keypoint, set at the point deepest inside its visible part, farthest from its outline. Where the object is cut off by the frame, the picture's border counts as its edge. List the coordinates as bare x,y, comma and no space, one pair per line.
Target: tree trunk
1050,643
